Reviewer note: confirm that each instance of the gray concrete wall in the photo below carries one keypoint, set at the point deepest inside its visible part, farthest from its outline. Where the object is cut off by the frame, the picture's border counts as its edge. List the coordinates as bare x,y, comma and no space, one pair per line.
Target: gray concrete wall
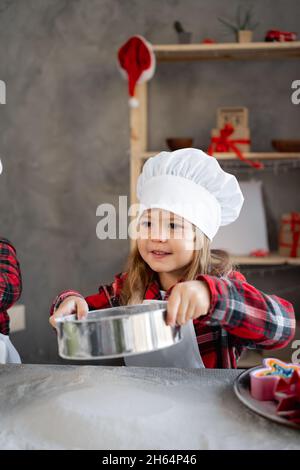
65,138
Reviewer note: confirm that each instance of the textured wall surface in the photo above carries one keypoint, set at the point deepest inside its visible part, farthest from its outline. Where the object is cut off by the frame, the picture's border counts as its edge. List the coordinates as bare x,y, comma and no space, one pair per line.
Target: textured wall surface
65,137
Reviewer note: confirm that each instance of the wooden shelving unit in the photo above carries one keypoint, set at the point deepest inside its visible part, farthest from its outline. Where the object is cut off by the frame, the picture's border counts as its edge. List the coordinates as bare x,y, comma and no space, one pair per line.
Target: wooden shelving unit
227,51
139,152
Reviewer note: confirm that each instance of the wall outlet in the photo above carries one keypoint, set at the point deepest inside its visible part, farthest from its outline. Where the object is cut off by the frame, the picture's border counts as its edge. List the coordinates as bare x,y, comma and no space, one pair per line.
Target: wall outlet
17,318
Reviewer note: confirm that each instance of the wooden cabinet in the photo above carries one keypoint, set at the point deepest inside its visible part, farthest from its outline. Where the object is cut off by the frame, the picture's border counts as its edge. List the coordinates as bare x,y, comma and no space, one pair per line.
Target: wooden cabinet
139,151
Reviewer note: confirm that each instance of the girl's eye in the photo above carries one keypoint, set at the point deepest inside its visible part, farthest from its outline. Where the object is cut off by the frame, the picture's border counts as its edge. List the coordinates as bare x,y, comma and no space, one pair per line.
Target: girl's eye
174,226
146,223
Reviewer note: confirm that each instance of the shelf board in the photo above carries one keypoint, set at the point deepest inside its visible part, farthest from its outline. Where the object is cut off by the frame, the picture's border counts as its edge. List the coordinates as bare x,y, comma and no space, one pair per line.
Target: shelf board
223,51
273,259
294,261
248,155
258,260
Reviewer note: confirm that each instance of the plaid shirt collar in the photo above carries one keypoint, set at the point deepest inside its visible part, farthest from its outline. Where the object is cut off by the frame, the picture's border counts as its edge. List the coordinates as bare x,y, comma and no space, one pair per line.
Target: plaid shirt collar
152,291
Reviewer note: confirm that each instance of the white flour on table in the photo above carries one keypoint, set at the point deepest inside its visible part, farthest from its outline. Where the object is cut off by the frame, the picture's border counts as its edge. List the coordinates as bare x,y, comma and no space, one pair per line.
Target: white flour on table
117,410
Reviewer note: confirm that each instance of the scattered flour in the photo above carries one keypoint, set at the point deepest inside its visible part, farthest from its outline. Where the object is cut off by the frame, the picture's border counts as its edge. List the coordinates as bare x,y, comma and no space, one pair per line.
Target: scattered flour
117,410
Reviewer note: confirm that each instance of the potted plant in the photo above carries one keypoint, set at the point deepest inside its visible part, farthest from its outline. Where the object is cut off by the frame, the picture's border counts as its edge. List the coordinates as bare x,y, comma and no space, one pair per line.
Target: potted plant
184,37
244,26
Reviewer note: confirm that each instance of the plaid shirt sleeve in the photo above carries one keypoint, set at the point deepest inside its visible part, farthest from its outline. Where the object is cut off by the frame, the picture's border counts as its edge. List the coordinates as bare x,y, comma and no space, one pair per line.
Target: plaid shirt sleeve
106,297
103,299
262,321
61,297
10,281
10,275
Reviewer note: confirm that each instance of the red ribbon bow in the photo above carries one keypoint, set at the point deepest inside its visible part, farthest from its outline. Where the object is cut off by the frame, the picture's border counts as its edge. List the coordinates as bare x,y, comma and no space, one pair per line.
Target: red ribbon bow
224,144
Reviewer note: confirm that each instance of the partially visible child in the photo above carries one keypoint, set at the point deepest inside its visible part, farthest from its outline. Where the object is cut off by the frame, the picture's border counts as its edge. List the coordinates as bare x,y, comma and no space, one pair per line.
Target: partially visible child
10,282
10,291
10,279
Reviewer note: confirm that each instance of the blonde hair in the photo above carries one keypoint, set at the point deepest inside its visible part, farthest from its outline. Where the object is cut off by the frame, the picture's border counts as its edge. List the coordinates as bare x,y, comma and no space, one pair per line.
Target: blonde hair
204,261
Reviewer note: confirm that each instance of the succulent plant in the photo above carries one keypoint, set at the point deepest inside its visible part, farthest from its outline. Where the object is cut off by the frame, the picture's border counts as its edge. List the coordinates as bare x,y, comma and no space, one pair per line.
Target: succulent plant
243,20
178,27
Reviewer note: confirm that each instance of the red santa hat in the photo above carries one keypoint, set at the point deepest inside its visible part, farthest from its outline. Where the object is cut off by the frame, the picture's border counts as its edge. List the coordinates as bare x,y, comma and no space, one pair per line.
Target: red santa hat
137,64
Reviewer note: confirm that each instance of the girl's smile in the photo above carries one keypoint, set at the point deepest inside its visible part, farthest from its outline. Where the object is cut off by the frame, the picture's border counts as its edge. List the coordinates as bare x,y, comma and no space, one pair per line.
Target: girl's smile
159,254
166,243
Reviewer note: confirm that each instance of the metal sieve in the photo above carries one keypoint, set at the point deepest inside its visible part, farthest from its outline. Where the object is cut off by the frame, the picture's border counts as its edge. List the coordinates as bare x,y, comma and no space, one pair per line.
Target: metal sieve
116,332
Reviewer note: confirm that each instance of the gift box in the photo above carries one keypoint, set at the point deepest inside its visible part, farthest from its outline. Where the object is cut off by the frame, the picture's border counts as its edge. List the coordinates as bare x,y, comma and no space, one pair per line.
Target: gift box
289,235
232,140
239,133
237,116
291,222
233,135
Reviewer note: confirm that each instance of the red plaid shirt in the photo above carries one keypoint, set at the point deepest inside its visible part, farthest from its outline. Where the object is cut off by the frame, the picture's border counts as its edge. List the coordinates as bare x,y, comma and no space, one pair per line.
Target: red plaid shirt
10,282
240,316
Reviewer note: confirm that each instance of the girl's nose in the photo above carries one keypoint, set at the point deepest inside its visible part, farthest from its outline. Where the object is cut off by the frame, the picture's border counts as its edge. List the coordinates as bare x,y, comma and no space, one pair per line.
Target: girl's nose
159,234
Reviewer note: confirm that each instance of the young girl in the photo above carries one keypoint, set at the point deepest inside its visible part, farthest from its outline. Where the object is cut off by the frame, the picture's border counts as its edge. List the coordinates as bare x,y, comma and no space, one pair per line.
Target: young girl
185,197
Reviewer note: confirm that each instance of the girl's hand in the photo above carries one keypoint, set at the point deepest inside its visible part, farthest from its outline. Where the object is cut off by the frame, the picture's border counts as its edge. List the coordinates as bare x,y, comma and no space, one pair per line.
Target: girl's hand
72,304
188,300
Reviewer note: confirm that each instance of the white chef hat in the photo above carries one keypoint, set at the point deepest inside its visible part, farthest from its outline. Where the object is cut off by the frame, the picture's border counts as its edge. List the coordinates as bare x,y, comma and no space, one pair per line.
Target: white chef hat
191,184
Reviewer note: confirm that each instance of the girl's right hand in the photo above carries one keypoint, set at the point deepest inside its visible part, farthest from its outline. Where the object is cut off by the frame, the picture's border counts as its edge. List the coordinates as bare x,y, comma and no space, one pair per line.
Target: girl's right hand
72,304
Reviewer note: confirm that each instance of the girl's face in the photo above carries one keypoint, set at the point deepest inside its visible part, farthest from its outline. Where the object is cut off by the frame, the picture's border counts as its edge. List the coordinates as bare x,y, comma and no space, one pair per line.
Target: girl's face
165,241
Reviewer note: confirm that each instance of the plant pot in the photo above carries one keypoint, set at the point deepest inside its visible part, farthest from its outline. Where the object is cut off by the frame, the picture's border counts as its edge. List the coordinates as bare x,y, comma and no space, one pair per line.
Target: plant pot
244,35
286,145
176,143
184,38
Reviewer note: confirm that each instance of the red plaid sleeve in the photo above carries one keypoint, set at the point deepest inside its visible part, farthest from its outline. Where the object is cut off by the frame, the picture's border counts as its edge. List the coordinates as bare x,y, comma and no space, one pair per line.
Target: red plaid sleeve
61,297
10,282
261,320
105,298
